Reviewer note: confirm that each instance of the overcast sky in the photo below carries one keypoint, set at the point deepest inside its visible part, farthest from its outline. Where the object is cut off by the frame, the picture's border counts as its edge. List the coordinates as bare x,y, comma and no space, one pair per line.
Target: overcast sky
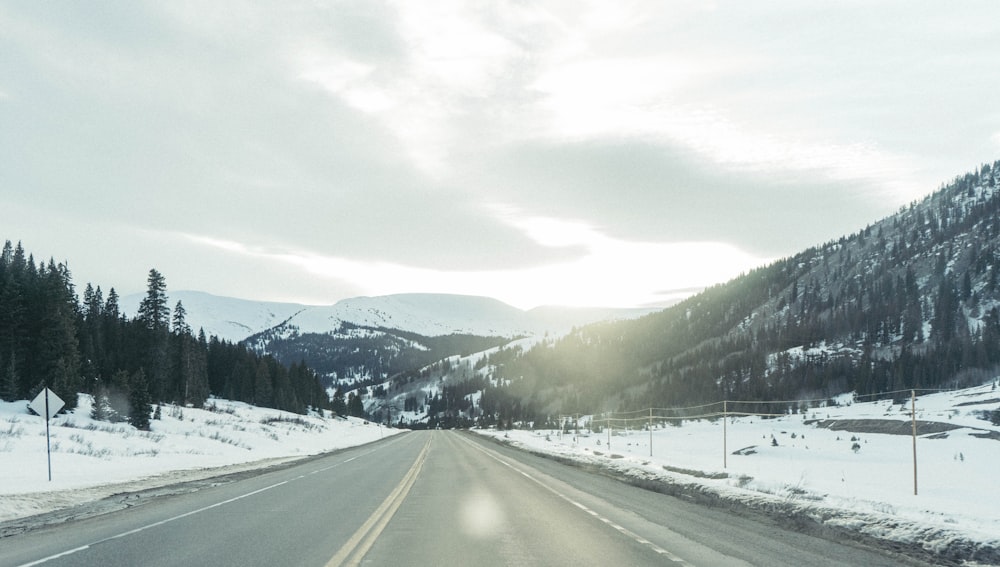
608,153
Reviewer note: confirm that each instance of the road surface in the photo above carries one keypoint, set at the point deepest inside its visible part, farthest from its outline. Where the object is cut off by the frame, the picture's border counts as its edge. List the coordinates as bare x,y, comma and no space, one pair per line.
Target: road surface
424,498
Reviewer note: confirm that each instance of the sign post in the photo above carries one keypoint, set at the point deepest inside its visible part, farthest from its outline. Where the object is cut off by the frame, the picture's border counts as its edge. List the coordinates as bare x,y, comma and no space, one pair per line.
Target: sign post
47,404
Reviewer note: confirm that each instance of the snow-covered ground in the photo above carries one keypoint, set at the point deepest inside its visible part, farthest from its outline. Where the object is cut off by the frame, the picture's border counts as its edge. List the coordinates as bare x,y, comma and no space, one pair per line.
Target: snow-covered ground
94,459
850,478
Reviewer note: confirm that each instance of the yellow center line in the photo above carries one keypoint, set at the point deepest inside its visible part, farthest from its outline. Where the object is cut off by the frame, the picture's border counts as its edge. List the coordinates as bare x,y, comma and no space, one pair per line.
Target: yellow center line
358,545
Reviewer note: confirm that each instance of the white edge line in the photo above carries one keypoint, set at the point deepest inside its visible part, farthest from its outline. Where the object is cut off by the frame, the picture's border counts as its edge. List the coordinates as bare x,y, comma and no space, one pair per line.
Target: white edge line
184,515
634,536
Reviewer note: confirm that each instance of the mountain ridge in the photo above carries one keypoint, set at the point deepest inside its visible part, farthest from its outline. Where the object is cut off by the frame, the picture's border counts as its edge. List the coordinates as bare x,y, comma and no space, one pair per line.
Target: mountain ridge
911,301
427,314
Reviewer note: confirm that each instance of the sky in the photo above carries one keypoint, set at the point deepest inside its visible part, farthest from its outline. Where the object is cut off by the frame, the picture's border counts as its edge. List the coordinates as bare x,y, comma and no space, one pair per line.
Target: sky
579,152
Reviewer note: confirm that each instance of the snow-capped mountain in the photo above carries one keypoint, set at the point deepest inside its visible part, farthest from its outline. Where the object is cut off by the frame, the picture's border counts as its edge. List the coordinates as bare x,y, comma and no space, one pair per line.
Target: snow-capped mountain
225,317
425,314
370,338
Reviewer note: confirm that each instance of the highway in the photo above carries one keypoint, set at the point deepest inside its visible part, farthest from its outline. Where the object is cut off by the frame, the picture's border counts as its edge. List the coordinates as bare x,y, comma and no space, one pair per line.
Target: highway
424,498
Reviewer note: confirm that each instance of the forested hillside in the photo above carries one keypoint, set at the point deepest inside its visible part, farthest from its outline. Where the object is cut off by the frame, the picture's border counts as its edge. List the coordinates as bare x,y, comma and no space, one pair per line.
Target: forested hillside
49,337
909,302
354,356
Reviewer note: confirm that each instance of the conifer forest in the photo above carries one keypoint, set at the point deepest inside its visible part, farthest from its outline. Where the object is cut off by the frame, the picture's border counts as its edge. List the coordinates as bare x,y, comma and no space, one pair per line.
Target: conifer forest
50,337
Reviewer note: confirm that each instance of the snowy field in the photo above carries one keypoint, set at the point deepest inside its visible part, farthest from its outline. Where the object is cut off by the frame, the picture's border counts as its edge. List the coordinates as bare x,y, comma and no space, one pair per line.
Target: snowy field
95,459
850,478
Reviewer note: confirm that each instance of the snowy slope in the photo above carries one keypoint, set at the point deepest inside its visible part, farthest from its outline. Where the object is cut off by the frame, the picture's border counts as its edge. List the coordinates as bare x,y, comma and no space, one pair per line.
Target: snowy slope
425,314
94,459
855,478
225,317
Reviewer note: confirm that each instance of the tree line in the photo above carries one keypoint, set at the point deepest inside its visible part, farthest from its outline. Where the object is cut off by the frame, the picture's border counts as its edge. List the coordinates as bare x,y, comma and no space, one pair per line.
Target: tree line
51,338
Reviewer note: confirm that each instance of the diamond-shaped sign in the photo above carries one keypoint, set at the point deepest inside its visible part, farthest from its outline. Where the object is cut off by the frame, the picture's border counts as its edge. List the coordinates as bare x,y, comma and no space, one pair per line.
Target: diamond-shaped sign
51,408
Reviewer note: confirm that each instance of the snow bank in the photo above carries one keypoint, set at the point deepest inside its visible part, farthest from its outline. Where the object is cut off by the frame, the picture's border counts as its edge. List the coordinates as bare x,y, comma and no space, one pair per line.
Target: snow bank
851,478
92,459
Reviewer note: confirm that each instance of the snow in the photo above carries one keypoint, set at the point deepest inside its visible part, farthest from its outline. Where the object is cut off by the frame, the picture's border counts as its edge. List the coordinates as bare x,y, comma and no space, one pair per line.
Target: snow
225,317
813,469
422,313
94,459
816,471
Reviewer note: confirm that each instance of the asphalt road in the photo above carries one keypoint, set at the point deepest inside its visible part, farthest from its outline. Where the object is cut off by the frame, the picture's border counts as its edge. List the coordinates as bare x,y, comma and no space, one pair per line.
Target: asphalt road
424,498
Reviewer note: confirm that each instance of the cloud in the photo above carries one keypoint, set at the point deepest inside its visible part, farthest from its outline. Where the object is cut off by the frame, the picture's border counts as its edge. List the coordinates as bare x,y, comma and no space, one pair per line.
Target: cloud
540,151
602,271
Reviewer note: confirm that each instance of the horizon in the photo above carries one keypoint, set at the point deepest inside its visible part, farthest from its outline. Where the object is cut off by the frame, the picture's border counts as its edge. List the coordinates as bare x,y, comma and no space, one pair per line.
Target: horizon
171,294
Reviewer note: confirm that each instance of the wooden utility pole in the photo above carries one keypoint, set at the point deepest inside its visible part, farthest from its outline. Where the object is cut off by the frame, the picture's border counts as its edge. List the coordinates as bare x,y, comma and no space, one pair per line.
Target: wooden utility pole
913,409
650,432
725,457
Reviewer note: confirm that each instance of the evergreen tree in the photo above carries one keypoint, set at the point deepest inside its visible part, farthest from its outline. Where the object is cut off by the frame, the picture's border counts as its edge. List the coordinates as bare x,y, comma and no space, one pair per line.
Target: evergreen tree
49,338
112,337
13,323
338,405
101,410
153,310
57,347
118,393
945,312
195,359
111,309
154,314
9,390
263,390
180,326
355,407
140,402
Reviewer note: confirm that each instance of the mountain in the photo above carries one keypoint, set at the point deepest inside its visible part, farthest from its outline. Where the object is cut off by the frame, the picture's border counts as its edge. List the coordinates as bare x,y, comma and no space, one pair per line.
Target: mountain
228,318
910,302
425,314
365,340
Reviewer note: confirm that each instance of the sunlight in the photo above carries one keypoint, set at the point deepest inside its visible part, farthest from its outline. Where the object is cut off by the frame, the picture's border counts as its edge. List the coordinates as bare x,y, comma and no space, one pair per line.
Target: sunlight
482,516
608,272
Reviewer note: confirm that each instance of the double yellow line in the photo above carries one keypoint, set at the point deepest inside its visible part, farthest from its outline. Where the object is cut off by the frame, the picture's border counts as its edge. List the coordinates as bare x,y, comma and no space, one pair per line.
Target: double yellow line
355,549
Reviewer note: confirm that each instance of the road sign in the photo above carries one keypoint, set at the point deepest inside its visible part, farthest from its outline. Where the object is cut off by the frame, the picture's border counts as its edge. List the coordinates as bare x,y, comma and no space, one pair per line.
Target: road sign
46,404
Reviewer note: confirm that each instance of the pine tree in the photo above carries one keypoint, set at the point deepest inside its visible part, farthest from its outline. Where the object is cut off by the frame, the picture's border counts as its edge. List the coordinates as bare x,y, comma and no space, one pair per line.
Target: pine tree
945,312
153,310
263,389
112,335
338,405
355,407
140,402
154,314
111,309
180,326
118,395
190,368
13,323
101,410
9,390
57,348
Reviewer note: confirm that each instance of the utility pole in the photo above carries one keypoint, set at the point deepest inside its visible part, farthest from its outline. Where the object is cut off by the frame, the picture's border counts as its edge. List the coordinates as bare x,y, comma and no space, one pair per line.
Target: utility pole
913,409
650,432
725,418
